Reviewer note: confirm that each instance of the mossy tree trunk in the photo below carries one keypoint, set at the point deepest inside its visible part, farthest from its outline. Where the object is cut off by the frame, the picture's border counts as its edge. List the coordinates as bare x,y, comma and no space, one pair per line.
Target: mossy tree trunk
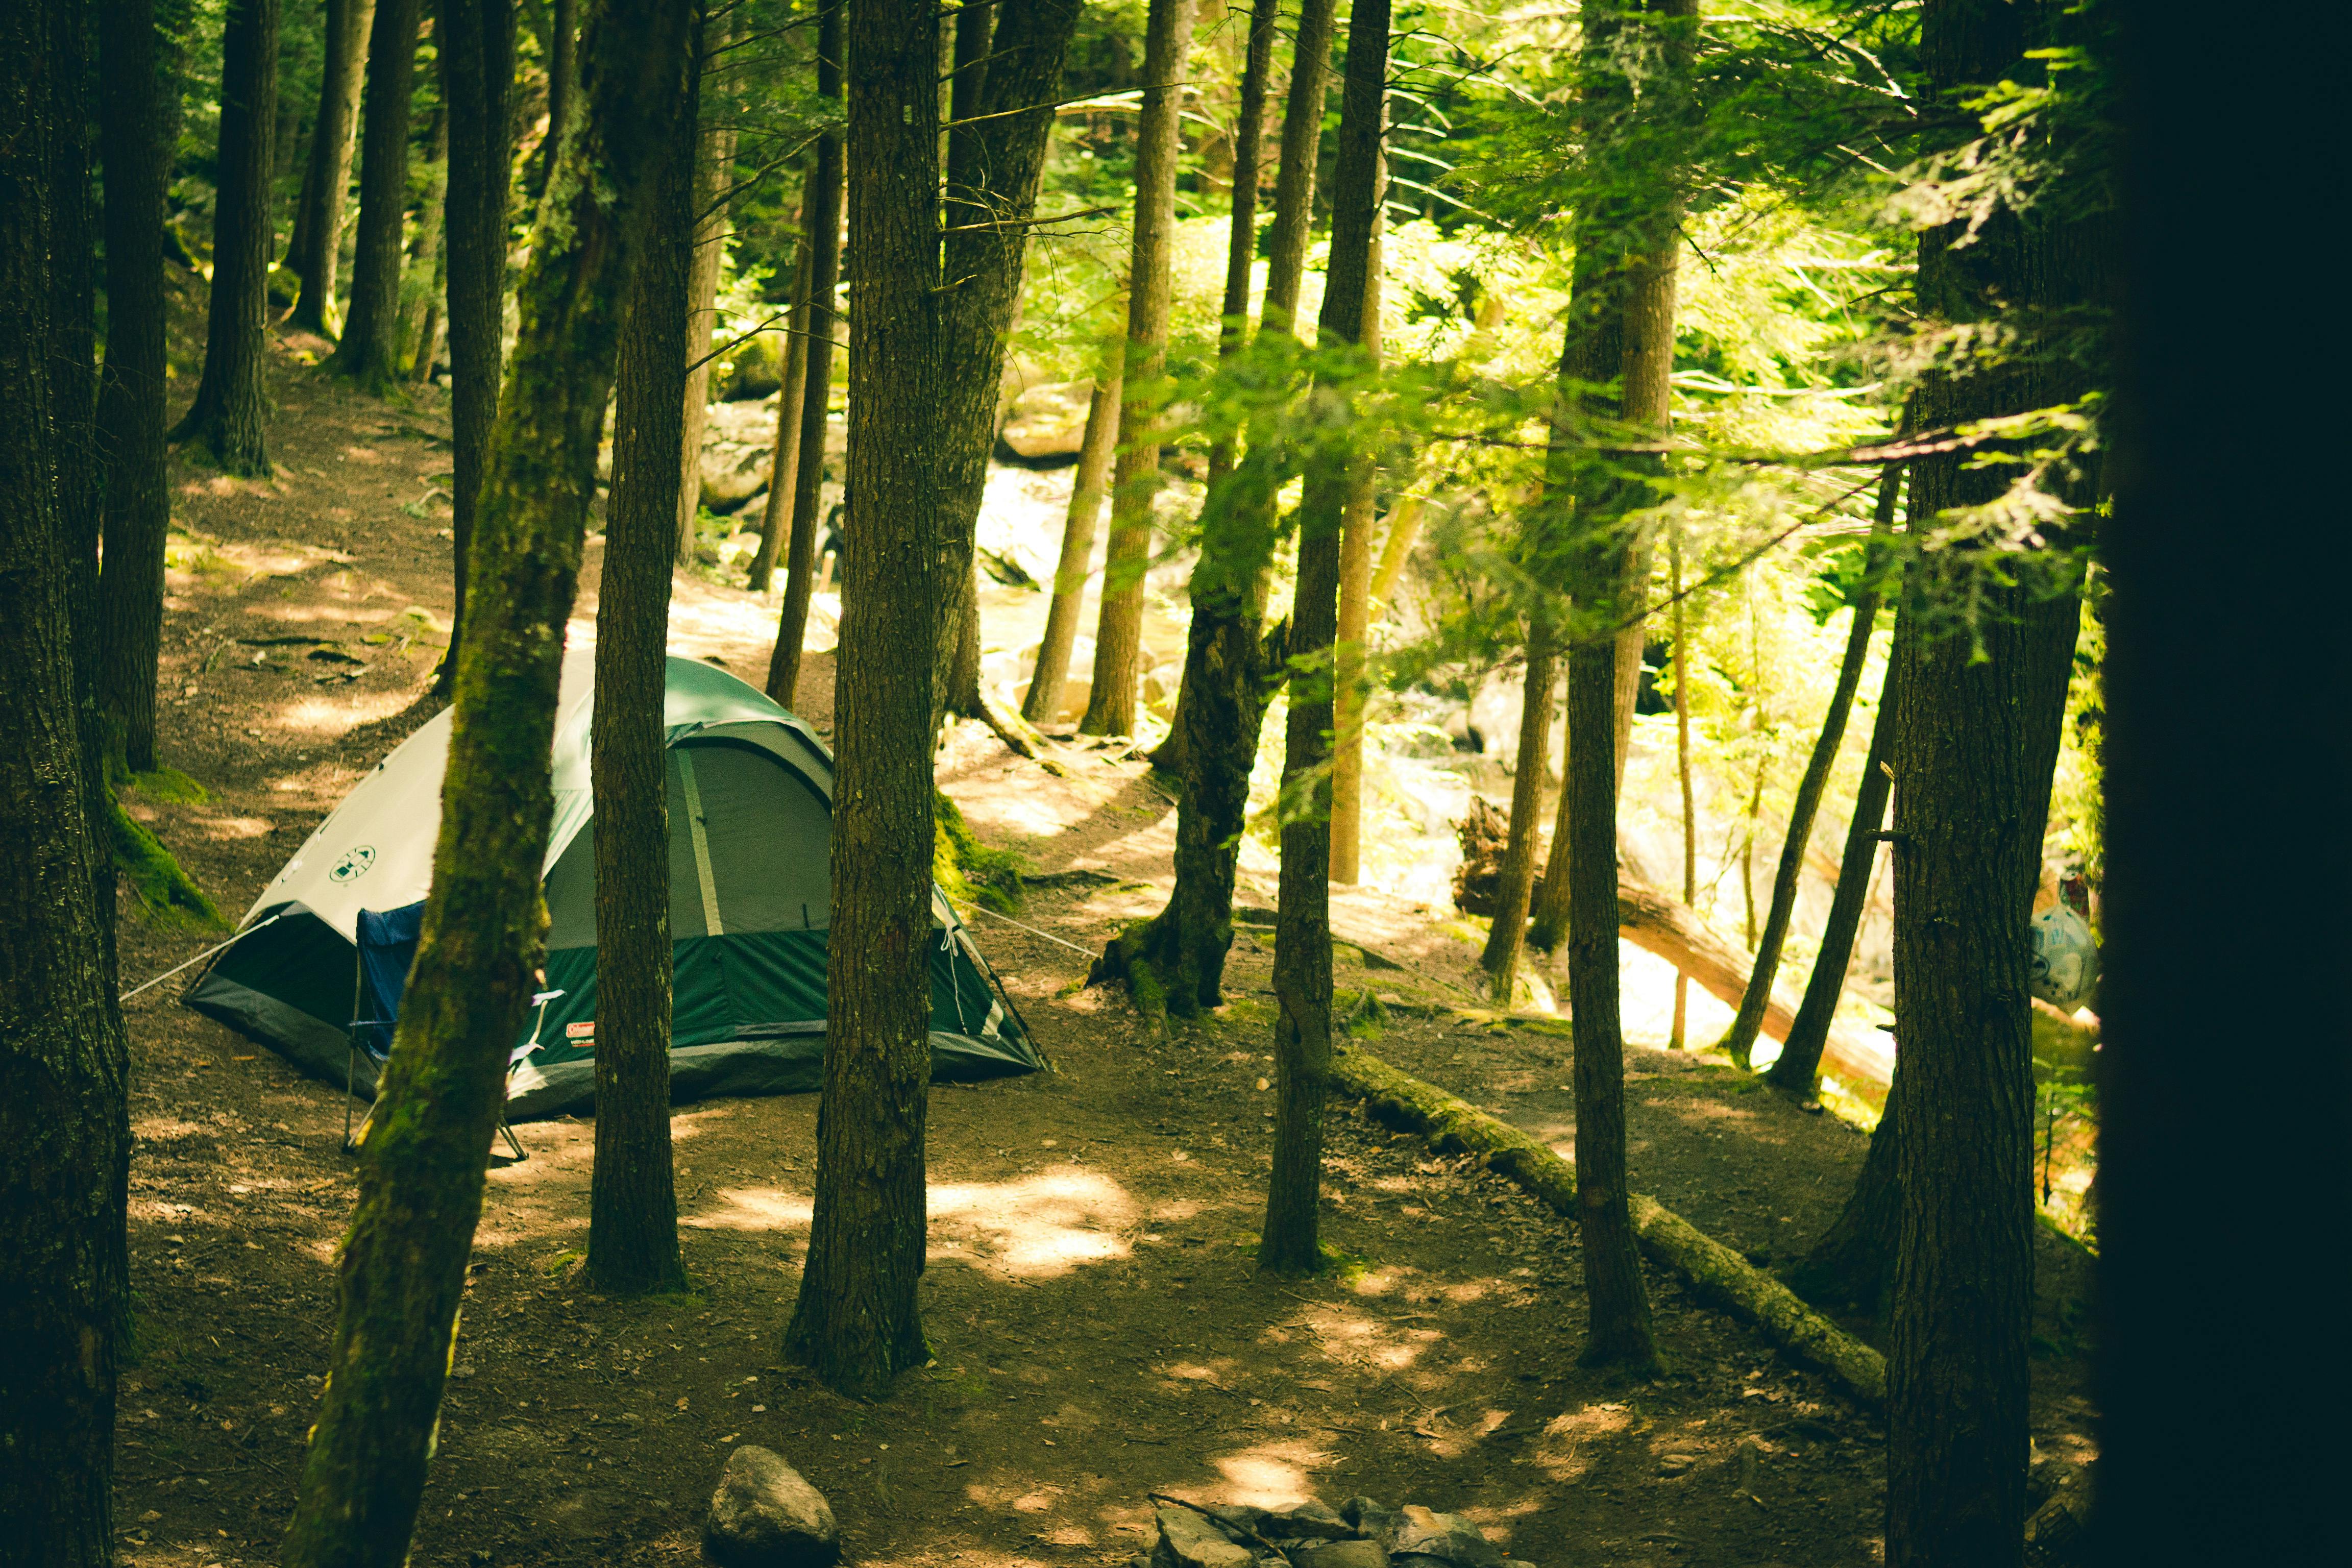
1352,662
821,205
401,1273
229,411
1500,957
1135,471
63,1060
316,253
1290,1241
714,179
369,351
137,501
563,73
428,271
632,1196
475,42
857,1322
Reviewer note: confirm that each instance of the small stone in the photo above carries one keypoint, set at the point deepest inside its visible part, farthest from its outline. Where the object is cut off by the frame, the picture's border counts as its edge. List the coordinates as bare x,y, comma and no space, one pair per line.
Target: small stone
1188,1541
1675,1464
764,1515
1371,1520
1448,1537
1308,1520
1343,1554
1240,1520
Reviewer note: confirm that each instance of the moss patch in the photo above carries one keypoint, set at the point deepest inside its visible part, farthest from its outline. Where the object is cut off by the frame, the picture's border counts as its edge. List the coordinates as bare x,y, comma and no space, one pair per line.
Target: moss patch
966,868
168,894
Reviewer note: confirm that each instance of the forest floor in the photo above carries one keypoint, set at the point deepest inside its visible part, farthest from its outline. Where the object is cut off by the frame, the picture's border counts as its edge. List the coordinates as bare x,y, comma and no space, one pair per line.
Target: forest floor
1098,1331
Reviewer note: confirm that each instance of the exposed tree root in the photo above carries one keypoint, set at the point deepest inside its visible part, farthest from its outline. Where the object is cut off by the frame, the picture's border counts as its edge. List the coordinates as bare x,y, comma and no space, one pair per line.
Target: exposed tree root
1717,1274
165,892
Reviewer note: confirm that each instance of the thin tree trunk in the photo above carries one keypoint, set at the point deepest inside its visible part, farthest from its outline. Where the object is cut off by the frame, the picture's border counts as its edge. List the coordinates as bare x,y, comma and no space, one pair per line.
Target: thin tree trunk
1500,957
995,164
1134,486
632,1196
138,504
1682,773
401,1277
823,201
714,177
229,409
1290,1240
369,352
1356,606
563,68
63,1059
791,389
1800,1062
1848,1269
1044,702
1741,1041
475,42
428,268
857,1322
317,246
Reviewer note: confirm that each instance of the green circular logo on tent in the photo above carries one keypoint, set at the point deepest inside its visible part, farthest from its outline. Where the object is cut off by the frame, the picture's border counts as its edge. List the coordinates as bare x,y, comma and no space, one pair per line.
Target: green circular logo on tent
354,864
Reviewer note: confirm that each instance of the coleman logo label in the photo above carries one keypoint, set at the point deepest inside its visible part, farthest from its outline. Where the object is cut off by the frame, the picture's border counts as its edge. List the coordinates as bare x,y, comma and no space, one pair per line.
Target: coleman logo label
354,864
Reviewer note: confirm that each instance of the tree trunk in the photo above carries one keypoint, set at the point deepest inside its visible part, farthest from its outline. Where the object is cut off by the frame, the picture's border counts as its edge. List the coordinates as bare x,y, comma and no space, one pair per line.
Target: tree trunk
823,203
401,1277
317,246
1501,955
1118,629
714,182
1800,1062
1848,1269
857,1322
563,68
775,518
1006,93
1741,1041
63,1059
420,330
475,42
229,408
1290,1240
1356,605
1682,773
2220,1437
138,505
369,352
1044,702
632,1198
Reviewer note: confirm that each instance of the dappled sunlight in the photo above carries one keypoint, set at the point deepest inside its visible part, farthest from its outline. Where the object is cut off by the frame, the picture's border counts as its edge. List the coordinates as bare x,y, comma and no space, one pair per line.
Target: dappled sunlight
345,712
755,1208
1271,1474
1043,1225
1564,1449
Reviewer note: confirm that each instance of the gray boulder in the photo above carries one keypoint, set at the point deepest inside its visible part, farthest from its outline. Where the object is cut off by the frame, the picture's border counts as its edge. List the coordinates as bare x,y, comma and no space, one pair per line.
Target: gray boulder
764,1515
1188,1541
1371,1520
1448,1537
1342,1554
1308,1520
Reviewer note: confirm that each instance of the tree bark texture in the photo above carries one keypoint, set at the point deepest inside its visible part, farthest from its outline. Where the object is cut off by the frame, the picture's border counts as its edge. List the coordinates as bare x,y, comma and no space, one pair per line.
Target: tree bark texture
1290,1240
775,518
1007,90
1741,1043
475,42
1135,481
713,185
857,1322
1500,956
316,250
1683,775
63,1059
563,68
1351,665
428,277
230,410
401,1274
2221,1383
1293,180
822,205
369,351
1848,1269
138,503
632,1196
1800,1062
1044,702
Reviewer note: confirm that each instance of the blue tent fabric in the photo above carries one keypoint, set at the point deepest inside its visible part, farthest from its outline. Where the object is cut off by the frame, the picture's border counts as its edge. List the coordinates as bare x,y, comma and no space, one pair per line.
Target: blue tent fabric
387,948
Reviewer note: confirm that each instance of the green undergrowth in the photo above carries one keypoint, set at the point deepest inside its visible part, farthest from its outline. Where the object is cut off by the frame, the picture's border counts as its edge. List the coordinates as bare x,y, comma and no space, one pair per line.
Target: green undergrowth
167,893
970,870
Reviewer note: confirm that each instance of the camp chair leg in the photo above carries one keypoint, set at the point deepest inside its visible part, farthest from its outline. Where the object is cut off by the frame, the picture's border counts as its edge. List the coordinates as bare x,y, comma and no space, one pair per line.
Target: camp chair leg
350,1080
507,1132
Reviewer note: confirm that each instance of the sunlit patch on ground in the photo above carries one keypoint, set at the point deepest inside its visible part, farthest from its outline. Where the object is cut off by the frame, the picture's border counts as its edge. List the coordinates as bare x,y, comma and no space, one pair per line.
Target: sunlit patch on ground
1269,1475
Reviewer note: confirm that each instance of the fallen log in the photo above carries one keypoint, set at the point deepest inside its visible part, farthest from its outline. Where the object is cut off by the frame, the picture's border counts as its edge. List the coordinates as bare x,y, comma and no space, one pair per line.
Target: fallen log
1715,1273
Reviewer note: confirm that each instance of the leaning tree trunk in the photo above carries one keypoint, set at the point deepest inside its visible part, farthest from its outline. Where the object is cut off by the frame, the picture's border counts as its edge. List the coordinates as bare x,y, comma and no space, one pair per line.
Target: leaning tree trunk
1009,80
822,202
857,1322
1800,1062
63,1060
1290,1241
1044,702
227,416
137,501
370,350
1848,1269
1500,957
776,516
1741,1041
633,1196
475,42
1135,483
317,247
1232,664
402,1275
714,182
1348,672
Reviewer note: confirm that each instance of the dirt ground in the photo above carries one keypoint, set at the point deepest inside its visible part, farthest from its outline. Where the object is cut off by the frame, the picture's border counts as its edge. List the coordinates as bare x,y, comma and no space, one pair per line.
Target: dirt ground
1098,1330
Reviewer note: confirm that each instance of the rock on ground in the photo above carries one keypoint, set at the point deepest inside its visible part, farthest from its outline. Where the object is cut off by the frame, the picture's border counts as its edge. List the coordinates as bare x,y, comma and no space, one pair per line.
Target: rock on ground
764,1515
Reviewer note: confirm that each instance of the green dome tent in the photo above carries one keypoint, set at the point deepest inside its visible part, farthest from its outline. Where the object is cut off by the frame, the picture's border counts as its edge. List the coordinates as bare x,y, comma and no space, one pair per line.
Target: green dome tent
751,825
